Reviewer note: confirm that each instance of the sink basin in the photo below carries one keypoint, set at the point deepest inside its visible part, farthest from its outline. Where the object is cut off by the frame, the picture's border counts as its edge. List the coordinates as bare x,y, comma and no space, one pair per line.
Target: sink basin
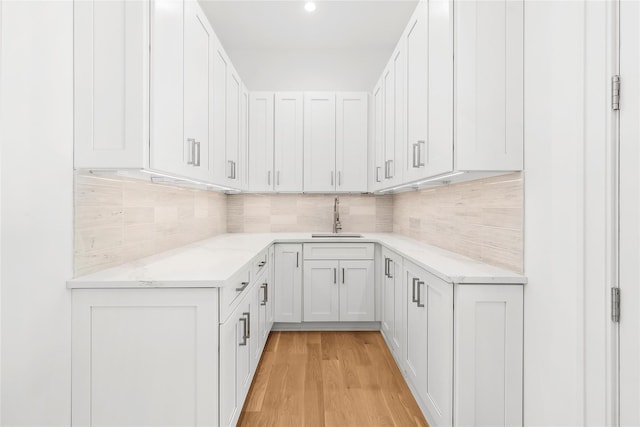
332,235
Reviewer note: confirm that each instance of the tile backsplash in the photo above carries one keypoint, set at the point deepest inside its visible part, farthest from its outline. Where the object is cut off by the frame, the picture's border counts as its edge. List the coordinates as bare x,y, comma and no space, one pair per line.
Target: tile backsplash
262,213
120,220
480,219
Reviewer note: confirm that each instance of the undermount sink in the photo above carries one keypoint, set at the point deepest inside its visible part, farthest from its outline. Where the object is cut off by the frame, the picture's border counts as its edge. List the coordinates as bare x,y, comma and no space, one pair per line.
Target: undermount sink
332,235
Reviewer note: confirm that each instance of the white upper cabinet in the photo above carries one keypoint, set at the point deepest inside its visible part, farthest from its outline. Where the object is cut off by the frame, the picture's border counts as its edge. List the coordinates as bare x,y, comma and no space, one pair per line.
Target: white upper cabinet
376,143
234,89
220,73
111,78
487,102
429,148
261,135
351,142
288,146
197,92
319,142
489,85
243,150
394,110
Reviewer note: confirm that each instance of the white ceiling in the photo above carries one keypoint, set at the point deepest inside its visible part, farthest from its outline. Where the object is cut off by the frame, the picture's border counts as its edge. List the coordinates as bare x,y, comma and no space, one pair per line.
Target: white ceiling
364,24
277,45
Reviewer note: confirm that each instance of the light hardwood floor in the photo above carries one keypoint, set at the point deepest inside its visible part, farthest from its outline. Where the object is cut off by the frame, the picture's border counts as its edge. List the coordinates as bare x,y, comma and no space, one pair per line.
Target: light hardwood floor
329,379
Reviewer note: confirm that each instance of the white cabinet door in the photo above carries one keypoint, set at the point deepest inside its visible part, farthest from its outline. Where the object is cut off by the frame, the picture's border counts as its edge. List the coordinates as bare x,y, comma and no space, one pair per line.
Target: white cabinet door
319,142
197,76
288,160
288,283
235,357
489,85
243,148
233,127
218,154
261,148
357,297
111,84
429,342
270,290
144,357
258,321
378,137
167,91
415,354
417,81
437,156
321,291
388,298
351,142
394,117
489,339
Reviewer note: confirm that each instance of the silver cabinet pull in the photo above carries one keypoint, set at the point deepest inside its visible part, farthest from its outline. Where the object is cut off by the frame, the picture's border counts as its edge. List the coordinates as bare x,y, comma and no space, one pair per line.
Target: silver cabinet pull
418,299
343,275
264,299
230,175
244,330
191,143
416,154
243,287
420,144
297,259
391,169
196,145
278,178
413,291
331,177
262,264
269,178
248,323
390,274
340,178
234,170
386,267
378,169
334,275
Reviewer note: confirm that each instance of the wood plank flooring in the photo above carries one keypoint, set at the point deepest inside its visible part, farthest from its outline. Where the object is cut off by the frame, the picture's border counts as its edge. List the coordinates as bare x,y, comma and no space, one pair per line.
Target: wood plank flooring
329,379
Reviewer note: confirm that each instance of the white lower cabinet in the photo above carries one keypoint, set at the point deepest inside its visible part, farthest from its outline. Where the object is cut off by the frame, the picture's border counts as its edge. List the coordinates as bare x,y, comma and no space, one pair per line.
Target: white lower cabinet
340,289
236,341
428,357
489,354
288,283
392,324
145,357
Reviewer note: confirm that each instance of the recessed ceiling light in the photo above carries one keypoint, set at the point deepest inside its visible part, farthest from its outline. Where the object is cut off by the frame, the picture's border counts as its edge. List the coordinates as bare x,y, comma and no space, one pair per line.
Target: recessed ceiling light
310,6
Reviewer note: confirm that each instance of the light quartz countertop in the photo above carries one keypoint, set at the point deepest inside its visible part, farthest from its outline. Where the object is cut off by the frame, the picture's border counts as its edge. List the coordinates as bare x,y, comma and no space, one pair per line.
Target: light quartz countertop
212,262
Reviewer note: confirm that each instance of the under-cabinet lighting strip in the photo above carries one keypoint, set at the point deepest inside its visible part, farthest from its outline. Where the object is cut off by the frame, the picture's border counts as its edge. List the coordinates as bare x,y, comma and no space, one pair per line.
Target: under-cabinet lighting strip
206,184
416,184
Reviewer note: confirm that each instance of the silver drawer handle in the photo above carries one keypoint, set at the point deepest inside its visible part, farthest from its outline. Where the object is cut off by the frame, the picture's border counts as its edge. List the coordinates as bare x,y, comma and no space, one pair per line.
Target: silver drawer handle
243,287
265,299
196,149
413,290
244,331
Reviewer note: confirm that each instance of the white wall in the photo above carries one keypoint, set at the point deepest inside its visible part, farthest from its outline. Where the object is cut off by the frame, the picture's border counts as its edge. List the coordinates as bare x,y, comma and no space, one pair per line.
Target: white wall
567,183
310,69
36,219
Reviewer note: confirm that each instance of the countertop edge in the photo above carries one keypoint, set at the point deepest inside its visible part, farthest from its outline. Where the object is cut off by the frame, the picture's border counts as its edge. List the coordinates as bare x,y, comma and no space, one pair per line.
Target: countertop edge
80,283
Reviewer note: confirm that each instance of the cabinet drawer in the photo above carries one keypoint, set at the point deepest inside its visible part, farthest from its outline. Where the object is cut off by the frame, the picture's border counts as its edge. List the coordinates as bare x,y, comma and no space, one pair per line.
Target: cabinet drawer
260,263
338,251
232,290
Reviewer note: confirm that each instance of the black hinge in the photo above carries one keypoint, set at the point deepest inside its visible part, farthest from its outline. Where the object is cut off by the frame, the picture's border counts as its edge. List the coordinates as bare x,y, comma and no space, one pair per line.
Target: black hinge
615,92
615,305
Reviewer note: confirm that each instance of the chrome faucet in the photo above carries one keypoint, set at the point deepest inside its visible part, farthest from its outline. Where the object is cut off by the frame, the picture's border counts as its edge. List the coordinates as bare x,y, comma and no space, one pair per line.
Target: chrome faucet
336,216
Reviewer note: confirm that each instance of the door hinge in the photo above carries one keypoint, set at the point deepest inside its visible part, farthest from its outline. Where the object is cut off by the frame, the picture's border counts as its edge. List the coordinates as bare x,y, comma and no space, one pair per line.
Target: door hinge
615,305
615,92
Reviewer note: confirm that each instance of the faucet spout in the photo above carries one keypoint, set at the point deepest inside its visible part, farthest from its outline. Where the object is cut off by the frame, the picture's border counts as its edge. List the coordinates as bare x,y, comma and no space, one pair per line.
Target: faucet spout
336,216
